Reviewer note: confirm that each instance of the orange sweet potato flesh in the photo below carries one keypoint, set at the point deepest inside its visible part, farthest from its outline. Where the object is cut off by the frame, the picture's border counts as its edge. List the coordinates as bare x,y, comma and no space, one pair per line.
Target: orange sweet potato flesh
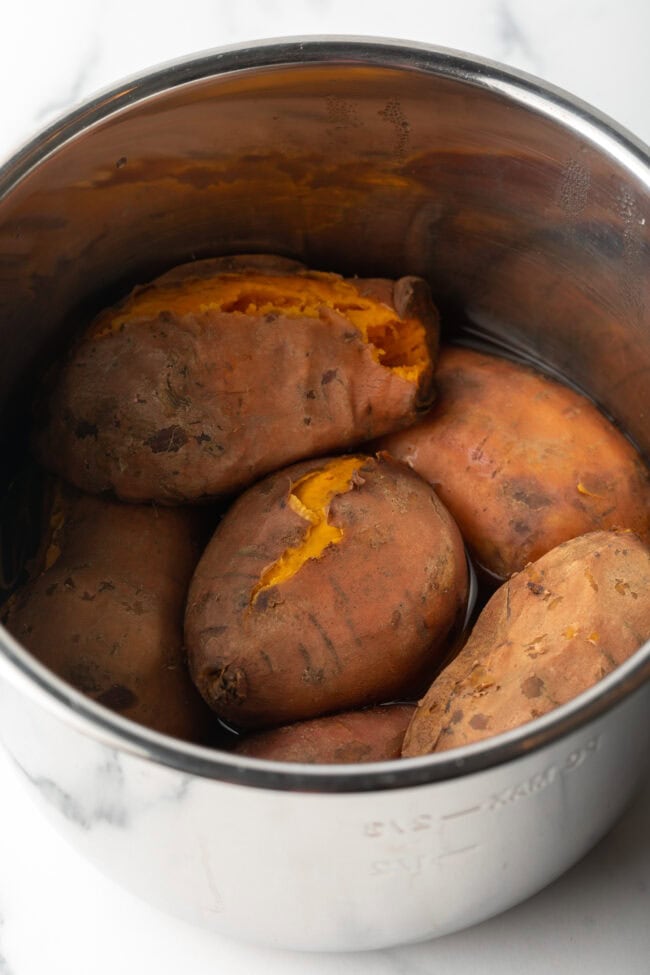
522,462
104,607
295,612
549,633
371,735
223,370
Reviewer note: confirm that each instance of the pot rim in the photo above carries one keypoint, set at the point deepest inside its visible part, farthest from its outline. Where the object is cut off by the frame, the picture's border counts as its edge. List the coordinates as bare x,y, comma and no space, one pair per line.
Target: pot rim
121,734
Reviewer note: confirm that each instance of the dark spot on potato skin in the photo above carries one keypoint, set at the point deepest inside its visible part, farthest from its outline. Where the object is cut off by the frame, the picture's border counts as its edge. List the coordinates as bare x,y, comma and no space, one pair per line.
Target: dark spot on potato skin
267,599
310,394
306,420
328,376
457,716
532,687
167,441
536,588
267,660
529,497
117,698
51,589
479,721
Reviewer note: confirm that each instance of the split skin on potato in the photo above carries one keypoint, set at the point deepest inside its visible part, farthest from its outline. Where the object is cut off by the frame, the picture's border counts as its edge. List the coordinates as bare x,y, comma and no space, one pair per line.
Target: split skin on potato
223,370
330,585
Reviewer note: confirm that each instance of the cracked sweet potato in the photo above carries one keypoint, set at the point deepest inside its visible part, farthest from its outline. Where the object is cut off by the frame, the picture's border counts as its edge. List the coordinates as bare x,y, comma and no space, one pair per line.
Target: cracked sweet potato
549,633
331,585
522,462
104,607
223,370
371,735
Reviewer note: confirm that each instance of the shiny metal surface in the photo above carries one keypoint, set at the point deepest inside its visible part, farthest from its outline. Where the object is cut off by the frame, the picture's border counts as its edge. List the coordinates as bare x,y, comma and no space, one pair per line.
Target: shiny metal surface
529,216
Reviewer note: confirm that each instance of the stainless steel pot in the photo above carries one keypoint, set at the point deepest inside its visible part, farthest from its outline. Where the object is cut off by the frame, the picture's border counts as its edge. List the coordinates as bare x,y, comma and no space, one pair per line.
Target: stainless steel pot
529,215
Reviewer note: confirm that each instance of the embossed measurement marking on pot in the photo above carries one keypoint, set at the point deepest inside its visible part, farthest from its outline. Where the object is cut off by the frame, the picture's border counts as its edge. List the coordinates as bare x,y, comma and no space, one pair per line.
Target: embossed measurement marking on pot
415,863
536,783
399,827
522,790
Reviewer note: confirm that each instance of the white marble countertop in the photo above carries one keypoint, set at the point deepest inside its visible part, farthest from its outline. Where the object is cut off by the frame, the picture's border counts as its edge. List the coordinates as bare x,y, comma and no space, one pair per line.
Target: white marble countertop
57,914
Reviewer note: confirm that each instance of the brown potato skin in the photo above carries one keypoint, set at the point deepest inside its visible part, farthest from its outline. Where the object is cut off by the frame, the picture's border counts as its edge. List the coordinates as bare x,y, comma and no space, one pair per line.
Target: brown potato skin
372,735
104,609
360,625
184,407
522,462
549,633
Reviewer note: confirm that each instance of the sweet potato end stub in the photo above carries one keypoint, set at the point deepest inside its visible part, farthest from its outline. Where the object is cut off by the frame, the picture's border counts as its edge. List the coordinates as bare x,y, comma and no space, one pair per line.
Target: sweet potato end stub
356,622
552,631
167,396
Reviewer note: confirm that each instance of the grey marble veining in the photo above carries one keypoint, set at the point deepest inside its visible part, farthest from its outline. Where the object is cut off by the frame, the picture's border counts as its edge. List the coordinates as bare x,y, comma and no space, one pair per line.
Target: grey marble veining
4,964
514,38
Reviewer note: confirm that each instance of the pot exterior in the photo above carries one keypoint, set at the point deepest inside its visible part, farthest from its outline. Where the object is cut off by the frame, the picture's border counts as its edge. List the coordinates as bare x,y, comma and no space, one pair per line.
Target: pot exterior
330,872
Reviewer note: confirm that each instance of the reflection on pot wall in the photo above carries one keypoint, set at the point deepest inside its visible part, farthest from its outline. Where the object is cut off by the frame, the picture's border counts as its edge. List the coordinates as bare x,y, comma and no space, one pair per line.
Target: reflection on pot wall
358,169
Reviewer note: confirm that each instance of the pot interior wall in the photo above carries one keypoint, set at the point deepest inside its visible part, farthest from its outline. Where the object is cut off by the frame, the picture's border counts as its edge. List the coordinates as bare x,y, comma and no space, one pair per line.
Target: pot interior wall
527,231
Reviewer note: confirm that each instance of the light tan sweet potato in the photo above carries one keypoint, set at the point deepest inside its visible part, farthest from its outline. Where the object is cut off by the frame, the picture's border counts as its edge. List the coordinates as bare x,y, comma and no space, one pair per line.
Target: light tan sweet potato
521,461
104,608
330,585
549,633
371,735
223,370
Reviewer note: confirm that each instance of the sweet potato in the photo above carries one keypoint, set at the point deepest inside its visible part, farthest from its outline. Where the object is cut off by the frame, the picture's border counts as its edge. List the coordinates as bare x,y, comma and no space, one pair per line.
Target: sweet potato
223,370
330,585
549,633
371,735
104,607
521,461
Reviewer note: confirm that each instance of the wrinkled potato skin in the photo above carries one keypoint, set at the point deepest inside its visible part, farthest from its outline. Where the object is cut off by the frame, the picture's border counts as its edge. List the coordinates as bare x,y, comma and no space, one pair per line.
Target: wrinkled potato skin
546,635
373,735
184,407
522,462
359,625
104,609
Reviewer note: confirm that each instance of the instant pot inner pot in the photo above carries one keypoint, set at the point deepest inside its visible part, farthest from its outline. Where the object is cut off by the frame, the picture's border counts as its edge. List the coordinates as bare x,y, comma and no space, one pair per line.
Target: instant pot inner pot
530,234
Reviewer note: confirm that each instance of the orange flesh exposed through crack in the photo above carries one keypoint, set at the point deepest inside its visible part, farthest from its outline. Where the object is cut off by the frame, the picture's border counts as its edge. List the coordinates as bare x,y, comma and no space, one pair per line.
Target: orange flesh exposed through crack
310,498
397,343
